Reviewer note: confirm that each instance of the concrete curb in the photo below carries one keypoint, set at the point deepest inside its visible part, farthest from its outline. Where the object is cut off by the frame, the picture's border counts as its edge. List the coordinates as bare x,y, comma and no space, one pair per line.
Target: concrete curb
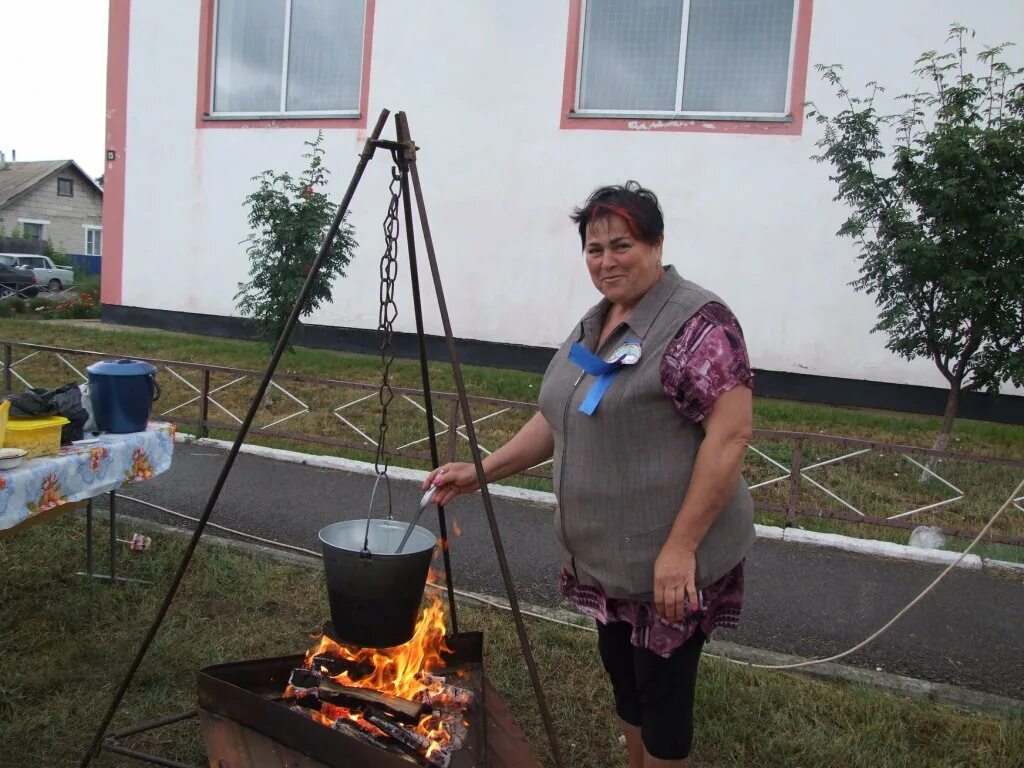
545,499
879,548
940,693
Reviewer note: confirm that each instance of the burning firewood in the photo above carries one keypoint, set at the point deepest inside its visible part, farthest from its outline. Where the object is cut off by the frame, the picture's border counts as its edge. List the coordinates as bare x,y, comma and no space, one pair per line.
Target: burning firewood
309,681
446,696
450,722
353,730
332,666
410,740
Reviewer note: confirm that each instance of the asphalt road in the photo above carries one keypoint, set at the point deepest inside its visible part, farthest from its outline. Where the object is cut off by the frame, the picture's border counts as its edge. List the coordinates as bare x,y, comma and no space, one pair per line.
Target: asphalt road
802,600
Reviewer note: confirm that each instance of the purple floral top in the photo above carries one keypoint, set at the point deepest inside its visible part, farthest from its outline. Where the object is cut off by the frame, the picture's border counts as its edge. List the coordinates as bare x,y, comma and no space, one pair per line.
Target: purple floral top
706,358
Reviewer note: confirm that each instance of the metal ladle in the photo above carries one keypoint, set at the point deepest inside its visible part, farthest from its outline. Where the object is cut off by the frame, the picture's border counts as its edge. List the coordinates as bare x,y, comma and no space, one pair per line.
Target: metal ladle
424,502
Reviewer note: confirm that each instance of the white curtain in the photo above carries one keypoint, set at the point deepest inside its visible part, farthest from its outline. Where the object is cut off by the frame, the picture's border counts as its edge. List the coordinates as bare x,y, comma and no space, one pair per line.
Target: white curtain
250,46
737,55
325,55
631,54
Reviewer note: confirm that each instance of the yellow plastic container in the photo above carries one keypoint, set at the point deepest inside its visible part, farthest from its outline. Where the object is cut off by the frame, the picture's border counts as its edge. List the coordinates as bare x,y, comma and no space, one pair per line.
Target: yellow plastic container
5,409
40,437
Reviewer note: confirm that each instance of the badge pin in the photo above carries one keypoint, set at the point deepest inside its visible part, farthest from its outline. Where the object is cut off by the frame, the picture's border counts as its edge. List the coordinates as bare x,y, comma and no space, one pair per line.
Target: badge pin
626,354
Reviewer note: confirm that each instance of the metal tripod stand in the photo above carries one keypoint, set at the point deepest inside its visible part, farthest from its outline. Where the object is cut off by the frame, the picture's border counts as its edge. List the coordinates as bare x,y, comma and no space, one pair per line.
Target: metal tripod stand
403,150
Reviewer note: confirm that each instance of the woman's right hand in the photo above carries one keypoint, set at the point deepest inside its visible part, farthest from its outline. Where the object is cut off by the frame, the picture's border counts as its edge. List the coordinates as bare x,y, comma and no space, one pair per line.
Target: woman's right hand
451,480
529,446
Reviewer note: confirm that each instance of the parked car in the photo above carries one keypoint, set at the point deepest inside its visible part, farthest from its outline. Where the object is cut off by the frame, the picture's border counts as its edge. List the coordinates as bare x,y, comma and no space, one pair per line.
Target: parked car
17,280
47,273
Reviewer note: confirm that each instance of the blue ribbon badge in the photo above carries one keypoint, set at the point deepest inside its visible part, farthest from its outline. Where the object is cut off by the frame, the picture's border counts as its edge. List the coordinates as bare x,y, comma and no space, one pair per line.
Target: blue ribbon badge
627,353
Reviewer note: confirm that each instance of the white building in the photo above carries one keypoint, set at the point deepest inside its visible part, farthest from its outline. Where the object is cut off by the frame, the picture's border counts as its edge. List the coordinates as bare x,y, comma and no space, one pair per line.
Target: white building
520,110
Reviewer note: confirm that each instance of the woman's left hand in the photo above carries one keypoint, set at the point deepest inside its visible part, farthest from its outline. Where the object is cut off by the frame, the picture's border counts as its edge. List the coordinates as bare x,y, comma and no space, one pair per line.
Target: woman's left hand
675,580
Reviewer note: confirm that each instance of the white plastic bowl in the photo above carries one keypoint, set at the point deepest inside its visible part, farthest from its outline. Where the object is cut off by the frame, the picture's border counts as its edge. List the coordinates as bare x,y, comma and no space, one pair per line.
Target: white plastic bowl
11,457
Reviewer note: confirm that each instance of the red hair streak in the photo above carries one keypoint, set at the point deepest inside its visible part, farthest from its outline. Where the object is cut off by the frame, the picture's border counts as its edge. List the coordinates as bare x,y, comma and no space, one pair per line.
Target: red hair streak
603,210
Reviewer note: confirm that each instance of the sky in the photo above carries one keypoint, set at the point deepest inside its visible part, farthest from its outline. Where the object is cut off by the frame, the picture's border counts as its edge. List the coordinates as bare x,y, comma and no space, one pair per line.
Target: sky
54,56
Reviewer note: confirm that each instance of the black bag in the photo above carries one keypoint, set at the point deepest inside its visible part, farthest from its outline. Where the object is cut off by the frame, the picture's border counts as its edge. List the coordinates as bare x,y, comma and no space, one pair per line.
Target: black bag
64,401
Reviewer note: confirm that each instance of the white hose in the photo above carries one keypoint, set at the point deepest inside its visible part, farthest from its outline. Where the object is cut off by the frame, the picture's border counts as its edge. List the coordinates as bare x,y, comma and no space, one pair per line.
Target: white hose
219,527
909,605
478,598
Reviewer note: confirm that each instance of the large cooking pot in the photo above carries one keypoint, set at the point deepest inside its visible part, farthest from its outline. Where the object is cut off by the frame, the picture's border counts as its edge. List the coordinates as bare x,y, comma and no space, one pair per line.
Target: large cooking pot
374,593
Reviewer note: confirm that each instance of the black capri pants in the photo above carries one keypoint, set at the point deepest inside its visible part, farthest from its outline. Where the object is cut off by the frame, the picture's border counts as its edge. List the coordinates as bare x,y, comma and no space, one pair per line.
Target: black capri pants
652,692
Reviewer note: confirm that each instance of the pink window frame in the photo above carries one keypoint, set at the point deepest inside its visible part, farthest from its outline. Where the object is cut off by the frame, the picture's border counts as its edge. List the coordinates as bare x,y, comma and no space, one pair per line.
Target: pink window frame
797,91
204,97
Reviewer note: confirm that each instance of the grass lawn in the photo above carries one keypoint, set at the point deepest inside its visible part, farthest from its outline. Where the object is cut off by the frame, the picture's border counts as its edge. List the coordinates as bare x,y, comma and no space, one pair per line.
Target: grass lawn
65,642
876,484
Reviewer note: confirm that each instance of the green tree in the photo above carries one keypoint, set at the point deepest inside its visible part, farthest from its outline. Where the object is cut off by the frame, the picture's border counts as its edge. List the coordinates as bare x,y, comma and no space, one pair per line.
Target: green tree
936,209
289,218
59,257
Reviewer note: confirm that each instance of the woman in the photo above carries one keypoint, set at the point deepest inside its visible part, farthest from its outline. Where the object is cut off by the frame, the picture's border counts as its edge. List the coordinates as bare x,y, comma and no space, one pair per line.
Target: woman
646,409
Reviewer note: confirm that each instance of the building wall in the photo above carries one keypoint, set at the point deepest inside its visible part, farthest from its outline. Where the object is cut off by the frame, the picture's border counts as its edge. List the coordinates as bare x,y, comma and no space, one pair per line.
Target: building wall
66,215
749,216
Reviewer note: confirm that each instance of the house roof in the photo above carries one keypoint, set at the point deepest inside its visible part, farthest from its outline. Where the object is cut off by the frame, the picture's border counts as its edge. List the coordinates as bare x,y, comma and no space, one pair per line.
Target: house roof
16,178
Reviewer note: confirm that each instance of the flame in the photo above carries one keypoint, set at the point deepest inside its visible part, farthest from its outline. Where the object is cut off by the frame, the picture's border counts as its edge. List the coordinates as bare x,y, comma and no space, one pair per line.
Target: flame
396,671
321,718
456,527
402,671
435,729
331,713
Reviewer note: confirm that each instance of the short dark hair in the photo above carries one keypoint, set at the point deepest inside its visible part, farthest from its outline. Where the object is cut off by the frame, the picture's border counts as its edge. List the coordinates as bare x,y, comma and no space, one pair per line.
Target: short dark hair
637,205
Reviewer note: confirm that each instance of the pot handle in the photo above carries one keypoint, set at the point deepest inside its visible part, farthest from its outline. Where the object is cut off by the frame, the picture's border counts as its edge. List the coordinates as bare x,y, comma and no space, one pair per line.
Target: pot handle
156,387
365,551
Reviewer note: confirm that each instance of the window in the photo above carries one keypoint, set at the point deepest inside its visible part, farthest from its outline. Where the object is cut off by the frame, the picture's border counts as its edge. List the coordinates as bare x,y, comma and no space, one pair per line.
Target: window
31,262
32,229
65,187
93,241
703,58
287,57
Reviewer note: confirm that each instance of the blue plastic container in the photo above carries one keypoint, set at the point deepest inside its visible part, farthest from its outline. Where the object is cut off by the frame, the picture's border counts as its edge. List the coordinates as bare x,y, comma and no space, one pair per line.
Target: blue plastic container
122,393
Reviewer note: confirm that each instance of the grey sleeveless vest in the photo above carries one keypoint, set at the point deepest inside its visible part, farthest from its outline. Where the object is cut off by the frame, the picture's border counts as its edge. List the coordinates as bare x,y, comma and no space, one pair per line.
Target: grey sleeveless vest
621,474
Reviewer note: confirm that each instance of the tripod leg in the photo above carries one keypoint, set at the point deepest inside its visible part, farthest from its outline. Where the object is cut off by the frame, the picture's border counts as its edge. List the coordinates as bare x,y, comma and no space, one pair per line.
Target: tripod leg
471,432
243,431
410,234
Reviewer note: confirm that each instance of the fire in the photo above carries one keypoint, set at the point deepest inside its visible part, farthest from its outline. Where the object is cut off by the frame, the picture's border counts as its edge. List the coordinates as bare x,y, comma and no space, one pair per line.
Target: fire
403,671
330,713
396,671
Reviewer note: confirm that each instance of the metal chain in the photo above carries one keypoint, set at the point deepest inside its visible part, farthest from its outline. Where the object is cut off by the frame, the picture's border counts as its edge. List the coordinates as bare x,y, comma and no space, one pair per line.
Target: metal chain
386,318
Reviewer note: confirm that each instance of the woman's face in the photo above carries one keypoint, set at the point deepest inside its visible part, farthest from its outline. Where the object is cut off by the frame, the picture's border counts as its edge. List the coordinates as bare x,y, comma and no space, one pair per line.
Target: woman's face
623,268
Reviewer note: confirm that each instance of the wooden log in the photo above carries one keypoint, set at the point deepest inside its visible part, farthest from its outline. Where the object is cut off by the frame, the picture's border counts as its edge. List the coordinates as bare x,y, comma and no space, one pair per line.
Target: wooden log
351,729
412,742
333,667
309,680
354,730
225,739
454,723
448,696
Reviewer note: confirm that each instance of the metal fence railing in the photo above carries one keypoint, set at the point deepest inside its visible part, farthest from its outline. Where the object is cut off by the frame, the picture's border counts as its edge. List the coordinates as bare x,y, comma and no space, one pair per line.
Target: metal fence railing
792,475
26,291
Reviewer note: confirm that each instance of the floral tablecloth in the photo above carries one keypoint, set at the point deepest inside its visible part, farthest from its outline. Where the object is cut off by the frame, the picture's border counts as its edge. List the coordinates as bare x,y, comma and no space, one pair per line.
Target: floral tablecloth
83,471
